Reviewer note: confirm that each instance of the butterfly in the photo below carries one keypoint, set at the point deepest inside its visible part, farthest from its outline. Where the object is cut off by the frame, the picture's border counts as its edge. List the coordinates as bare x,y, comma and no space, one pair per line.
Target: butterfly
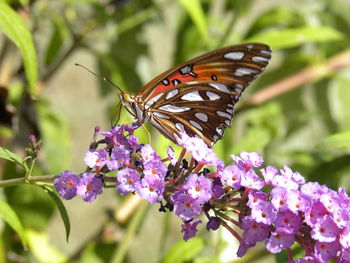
198,96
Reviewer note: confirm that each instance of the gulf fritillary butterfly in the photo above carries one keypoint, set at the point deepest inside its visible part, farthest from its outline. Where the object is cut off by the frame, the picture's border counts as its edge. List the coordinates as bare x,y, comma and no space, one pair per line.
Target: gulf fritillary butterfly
198,96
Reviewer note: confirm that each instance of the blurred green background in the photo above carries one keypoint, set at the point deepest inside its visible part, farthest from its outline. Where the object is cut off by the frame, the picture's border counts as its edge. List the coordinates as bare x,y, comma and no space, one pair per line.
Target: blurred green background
297,113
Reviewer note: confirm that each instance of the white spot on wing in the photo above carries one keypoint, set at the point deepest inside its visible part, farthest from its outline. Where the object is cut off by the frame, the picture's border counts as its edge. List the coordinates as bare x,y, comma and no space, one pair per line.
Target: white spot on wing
228,122
201,116
266,52
244,71
220,131
179,126
224,114
161,115
171,108
212,95
220,86
196,124
192,96
151,101
234,55
259,59
250,46
171,94
230,111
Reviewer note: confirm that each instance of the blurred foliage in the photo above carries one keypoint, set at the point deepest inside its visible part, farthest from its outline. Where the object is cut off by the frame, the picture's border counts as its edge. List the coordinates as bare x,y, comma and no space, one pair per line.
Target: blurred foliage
306,127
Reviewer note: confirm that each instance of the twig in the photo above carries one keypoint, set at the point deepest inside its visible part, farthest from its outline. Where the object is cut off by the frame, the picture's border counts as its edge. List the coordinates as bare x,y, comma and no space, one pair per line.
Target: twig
307,75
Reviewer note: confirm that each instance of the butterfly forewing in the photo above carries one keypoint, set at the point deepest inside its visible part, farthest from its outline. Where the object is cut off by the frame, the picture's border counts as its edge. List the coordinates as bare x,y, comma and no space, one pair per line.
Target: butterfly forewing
198,96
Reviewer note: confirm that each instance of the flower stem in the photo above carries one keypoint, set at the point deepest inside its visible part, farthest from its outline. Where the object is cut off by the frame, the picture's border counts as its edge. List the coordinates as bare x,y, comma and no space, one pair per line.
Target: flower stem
228,218
28,175
30,180
233,232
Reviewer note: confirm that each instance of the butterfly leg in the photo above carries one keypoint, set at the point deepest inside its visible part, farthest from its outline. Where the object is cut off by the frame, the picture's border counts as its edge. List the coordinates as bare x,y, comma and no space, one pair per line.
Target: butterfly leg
148,133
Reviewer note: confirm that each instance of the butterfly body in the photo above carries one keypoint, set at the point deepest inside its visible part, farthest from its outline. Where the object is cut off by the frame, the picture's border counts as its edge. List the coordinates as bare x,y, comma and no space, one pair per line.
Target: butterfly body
198,96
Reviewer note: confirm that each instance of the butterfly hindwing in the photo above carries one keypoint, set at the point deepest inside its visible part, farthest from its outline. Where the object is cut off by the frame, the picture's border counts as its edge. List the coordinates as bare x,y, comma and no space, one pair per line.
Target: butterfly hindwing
198,108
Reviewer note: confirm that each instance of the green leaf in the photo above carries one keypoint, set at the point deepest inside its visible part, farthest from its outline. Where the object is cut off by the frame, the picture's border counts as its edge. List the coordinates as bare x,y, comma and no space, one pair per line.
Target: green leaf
195,11
10,217
184,251
339,141
261,126
56,137
10,156
61,209
339,99
56,43
41,248
286,38
15,29
136,19
89,254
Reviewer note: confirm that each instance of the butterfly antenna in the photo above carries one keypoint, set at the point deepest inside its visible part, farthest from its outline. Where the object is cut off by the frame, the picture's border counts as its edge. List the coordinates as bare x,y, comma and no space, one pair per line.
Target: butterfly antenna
102,78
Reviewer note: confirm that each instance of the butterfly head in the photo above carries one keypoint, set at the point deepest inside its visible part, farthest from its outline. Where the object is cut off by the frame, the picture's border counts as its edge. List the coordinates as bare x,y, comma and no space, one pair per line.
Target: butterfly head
133,105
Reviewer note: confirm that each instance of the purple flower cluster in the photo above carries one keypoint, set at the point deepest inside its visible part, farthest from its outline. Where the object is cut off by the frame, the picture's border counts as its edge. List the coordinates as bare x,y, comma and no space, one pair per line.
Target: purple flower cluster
87,185
282,209
139,168
269,205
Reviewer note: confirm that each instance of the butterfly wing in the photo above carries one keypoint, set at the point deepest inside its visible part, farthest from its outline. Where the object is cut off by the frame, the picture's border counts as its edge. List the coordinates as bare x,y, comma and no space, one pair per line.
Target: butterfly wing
198,96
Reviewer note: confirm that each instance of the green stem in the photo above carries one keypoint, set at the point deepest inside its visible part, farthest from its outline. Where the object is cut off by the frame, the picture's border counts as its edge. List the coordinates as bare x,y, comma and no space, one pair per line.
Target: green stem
120,252
28,175
30,180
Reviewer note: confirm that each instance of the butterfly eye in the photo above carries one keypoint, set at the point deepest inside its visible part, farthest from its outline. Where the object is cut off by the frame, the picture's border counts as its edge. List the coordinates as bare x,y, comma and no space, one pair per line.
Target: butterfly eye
198,96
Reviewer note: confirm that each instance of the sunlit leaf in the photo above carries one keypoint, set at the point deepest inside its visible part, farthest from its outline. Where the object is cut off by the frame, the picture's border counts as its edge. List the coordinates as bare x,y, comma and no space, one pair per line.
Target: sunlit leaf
338,141
195,11
286,38
89,254
10,156
12,25
41,248
11,218
184,251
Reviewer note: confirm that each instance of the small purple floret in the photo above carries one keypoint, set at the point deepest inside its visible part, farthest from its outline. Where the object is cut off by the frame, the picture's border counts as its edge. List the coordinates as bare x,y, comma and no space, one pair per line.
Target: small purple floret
185,206
127,180
119,157
199,187
96,158
66,184
151,188
190,229
89,187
